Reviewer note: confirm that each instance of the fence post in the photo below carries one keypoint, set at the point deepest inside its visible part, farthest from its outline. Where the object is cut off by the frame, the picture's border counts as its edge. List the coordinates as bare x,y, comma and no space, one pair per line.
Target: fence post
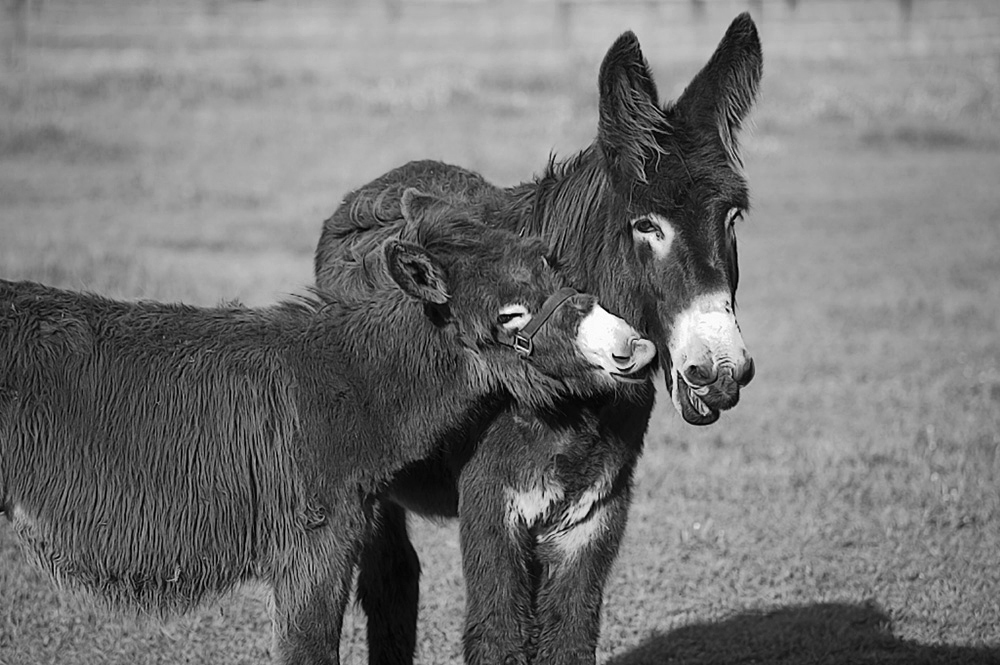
906,18
17,41
393,10
564,20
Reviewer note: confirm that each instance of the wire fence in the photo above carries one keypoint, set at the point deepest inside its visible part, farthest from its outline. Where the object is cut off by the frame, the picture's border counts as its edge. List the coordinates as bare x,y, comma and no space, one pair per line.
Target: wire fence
483,28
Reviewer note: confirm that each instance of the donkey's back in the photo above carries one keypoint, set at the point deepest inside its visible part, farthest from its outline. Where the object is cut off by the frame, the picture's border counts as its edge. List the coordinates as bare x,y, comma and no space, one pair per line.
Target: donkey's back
144,448
374,212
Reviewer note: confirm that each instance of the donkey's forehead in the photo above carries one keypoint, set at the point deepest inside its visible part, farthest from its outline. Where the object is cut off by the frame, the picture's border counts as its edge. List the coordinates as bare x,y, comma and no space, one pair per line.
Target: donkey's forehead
526,270
694,183
520,273
511,263
518,254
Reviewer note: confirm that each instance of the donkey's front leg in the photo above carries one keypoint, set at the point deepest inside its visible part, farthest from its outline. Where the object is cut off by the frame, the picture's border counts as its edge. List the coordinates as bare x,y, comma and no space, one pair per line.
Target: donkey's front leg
389,588
575,565
497,565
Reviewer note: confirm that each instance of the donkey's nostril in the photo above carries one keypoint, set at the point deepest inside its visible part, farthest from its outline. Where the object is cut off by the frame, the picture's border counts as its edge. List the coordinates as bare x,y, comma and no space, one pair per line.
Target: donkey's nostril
643,352
746,373
639,354
700,375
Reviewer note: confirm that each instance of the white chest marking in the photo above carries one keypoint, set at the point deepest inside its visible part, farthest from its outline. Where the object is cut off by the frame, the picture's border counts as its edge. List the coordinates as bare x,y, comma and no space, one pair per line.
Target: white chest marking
573,540
533,505
581,523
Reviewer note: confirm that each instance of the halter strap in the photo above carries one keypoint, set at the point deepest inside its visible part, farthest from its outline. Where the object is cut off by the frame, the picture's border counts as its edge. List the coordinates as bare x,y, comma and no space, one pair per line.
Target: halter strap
521,340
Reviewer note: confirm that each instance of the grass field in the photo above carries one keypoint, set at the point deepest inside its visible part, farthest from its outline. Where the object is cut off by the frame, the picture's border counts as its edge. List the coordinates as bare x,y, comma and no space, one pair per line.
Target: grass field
847,511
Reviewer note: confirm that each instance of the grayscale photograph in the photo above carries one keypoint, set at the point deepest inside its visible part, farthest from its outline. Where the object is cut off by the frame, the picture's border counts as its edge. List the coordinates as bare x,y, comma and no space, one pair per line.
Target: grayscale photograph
499,332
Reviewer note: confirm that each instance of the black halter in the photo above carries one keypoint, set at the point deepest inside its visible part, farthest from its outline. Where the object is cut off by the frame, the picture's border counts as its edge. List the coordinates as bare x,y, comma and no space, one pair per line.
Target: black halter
520,341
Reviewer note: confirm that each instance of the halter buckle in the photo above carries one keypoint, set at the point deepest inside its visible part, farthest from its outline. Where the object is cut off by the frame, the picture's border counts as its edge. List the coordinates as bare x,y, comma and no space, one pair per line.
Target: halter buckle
521,340
522,344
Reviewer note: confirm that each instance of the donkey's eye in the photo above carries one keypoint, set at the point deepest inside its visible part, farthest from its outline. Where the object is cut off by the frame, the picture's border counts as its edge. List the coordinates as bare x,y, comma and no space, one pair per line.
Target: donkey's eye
654,233
513,317
734,215
644,225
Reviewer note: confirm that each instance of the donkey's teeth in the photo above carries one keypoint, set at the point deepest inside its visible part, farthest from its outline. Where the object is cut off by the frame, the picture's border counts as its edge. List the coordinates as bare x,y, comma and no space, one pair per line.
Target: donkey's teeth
697,402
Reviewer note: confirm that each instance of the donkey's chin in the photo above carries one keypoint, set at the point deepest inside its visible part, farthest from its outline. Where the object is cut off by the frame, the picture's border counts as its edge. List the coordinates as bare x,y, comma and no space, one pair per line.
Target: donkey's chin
692,408
633,377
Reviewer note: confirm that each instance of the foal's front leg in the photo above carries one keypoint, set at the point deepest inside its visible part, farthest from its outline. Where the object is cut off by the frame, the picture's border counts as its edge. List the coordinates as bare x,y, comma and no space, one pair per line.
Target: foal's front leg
575,566
497,565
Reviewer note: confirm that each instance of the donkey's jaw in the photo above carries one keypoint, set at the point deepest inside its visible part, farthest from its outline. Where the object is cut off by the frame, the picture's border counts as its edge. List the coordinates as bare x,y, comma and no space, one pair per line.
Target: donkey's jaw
689,404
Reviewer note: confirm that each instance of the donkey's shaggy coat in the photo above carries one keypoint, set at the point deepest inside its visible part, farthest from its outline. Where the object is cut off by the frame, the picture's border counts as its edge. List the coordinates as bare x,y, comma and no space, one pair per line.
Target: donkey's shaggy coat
645,218
160,453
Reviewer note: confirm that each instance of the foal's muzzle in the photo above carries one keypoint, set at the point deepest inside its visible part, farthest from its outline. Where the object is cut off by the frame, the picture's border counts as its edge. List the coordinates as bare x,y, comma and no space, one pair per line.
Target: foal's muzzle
633,360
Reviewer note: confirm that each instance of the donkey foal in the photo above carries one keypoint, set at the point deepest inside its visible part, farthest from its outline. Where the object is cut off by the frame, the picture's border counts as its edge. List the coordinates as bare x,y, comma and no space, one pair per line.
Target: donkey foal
158,454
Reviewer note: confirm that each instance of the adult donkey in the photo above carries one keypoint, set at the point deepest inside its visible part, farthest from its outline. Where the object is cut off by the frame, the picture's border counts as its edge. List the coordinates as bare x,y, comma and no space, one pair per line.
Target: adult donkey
645,217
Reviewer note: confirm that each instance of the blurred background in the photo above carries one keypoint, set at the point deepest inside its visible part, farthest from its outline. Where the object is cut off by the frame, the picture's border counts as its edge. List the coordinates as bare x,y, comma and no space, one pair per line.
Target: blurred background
848,510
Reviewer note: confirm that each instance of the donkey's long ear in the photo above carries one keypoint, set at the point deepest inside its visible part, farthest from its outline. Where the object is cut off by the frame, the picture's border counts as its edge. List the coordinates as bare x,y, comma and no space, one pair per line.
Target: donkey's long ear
416,272
629,114
721,95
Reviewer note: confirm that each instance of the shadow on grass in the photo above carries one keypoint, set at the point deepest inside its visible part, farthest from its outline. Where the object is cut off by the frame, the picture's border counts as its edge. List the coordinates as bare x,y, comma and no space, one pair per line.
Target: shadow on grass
828,634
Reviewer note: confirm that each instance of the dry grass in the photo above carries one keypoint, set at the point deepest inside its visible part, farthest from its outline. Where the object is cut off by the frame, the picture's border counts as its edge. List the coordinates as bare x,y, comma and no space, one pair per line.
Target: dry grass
847,511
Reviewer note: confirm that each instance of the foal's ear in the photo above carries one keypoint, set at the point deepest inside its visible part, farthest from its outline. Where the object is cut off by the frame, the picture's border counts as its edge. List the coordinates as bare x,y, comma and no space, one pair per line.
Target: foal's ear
721,94
629,114
416,272
417,206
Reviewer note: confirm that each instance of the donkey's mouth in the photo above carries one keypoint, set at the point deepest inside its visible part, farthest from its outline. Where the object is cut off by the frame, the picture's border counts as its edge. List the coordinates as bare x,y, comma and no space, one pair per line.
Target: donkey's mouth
633,374
692,408
639,376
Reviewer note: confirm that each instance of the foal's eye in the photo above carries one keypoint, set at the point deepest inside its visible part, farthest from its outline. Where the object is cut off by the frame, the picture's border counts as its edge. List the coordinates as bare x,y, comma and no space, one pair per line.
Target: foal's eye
734,215
504,319
513,317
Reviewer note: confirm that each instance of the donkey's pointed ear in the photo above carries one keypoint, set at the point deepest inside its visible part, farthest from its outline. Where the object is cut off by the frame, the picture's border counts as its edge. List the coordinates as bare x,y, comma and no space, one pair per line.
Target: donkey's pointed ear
629,115
721,95
416,272
417,206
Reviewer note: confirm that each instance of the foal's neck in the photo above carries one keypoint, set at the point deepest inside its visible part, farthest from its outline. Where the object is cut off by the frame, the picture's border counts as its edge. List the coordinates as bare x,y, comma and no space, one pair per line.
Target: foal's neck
415,380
